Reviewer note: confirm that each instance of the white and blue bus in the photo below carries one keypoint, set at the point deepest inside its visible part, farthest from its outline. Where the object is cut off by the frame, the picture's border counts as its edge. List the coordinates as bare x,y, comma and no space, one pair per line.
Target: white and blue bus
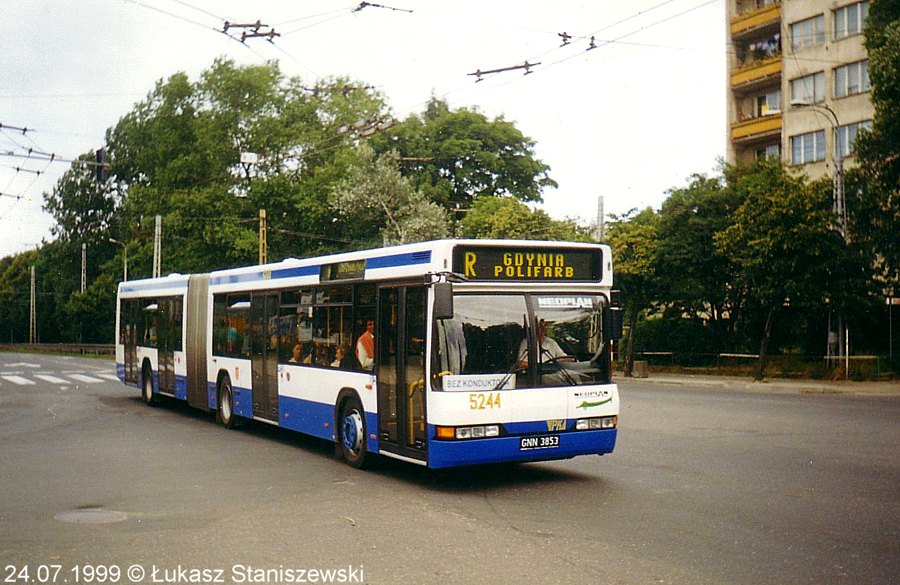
445,353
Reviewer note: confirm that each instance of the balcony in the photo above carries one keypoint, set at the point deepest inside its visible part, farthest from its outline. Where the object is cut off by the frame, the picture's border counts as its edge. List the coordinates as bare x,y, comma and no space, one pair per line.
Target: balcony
760,19
756,129
756,73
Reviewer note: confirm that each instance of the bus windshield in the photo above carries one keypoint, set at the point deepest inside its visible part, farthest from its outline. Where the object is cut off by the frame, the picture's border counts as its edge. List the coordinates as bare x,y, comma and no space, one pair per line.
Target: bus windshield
521,341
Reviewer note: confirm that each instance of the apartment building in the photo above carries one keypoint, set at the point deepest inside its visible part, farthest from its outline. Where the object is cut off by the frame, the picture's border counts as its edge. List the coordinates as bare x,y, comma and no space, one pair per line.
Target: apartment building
798,81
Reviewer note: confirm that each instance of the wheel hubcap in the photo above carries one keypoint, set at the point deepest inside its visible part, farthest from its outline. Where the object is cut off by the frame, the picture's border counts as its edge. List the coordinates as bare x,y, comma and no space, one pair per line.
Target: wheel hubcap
226,405
353,431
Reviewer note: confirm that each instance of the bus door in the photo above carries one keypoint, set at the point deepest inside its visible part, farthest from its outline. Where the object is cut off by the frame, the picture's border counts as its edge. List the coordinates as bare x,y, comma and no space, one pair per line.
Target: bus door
128,326
400,346
264,354
165,345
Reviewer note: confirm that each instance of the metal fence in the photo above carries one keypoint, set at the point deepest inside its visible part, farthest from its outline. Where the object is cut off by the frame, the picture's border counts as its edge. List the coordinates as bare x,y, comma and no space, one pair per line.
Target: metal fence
863,367
73,348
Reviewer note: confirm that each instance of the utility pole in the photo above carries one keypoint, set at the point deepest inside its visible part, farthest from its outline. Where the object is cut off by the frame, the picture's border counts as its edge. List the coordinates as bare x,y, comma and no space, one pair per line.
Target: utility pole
32,317
157,247
600,232
263,245
83,266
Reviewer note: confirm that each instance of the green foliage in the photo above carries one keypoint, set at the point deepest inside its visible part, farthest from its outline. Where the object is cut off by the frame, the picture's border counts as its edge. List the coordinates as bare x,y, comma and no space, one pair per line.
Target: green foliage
878,150
782,238
82,207
455,156
634,240
694,274
63,312
784,245
178,154
635,246
508,218
377,196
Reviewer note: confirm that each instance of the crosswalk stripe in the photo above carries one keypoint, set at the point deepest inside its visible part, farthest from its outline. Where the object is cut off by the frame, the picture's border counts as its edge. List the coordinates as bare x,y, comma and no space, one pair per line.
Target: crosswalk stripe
86,379
51,379
19,380
112,377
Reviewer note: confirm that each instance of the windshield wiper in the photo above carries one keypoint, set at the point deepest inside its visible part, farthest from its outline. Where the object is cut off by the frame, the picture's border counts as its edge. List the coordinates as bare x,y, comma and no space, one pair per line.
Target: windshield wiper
563,371
511,370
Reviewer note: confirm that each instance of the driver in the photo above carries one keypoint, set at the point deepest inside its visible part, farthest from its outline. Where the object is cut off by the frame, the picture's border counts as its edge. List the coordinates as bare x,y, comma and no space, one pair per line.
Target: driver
550,350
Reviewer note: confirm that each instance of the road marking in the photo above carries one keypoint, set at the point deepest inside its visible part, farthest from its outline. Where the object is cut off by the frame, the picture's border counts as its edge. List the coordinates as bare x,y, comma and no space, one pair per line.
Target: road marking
51,379
19,380
112,377
86,379
23,365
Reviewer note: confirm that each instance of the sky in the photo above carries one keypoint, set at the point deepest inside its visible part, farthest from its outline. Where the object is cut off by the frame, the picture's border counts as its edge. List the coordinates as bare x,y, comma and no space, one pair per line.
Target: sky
627,120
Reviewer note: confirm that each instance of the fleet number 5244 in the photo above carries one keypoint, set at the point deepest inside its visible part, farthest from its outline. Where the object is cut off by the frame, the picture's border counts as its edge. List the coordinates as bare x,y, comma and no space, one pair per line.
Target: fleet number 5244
484,401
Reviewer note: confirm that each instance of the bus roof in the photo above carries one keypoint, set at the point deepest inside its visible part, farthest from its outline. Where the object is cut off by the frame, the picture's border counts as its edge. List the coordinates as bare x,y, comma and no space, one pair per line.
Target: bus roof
402,261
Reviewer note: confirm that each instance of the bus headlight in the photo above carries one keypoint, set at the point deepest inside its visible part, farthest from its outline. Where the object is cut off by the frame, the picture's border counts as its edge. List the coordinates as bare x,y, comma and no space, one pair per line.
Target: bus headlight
476,432
593,424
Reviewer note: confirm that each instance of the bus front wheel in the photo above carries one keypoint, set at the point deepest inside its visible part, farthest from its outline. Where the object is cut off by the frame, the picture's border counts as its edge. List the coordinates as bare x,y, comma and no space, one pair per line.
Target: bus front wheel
352,433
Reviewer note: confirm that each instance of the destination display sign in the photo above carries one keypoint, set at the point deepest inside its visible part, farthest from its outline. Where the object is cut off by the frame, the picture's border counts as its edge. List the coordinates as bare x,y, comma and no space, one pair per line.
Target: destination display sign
349,270
528,264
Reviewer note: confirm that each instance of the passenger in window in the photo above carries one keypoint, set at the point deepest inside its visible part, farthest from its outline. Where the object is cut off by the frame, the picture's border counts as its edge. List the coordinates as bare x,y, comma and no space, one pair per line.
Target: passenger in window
338,357
296,354
321,354
231,336
365,347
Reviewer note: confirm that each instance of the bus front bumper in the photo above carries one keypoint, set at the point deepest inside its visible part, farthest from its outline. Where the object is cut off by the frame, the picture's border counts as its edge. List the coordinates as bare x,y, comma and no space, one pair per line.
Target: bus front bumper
452,453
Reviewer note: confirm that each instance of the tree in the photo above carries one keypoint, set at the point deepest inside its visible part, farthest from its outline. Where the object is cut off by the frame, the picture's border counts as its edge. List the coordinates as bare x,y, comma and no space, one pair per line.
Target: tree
635,246
878,150
509,218
177,154
82,206
452,157
694,274
374,194
783,242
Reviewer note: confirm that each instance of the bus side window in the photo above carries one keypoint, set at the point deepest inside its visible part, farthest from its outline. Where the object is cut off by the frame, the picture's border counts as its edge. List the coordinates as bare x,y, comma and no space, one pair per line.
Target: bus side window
148,319
220,325
237,340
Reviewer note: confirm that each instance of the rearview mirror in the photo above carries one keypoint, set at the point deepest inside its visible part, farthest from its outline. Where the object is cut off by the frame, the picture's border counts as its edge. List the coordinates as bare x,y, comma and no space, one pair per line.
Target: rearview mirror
443,301
615,323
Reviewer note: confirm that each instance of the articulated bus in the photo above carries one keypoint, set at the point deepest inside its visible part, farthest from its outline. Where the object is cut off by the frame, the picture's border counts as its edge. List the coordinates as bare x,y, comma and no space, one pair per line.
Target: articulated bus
442,354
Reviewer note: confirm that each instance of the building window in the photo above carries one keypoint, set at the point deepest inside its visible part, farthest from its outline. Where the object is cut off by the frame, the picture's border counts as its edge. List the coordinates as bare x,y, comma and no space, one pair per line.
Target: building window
769,103
849,20
846,136
852,79
771,151
808,148
809,89
808,33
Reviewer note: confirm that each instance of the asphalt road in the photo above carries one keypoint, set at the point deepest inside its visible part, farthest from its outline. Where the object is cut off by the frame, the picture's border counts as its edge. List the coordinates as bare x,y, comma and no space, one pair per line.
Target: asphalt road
706,486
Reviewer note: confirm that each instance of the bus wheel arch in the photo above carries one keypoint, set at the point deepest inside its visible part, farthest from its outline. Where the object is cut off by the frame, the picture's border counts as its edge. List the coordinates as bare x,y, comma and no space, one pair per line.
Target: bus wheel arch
351,433
147,394
225,401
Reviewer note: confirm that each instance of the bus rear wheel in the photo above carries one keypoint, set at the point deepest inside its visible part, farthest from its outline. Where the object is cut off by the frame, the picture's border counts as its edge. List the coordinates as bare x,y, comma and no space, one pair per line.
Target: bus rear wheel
225,404
147,388
352,433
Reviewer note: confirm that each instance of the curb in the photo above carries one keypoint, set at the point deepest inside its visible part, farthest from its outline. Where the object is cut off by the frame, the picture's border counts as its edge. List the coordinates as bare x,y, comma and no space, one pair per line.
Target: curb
890,388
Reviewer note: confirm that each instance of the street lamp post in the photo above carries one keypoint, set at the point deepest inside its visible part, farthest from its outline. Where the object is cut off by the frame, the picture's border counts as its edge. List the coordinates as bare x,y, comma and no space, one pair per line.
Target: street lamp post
124,257
839,206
